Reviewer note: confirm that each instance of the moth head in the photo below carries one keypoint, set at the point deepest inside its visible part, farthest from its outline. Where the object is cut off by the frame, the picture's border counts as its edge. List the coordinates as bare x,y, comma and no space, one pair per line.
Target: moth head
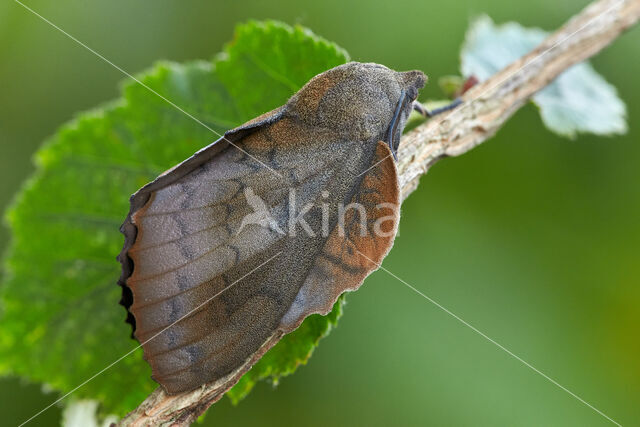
362,102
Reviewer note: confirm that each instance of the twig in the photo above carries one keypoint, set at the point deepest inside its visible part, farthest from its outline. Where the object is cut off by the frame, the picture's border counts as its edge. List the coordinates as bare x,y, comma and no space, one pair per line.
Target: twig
486,107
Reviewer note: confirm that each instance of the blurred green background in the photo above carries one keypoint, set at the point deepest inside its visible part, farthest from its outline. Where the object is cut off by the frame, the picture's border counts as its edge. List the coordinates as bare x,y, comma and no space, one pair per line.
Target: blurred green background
532,238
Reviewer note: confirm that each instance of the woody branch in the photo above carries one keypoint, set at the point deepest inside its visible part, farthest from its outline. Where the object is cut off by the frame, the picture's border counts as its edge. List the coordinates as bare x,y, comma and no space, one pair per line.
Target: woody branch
485,108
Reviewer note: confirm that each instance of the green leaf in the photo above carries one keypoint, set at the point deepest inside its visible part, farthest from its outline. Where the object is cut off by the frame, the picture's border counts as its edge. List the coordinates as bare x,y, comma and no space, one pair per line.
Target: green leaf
579,100
450,85
61,322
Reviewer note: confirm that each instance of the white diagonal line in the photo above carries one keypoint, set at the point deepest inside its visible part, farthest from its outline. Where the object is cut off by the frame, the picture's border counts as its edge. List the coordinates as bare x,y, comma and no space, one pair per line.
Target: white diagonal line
491,340
168,101
508,76
146,341
374,165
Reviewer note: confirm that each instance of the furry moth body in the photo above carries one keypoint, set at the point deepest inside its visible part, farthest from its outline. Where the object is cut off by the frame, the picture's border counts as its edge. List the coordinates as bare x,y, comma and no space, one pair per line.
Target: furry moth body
332,143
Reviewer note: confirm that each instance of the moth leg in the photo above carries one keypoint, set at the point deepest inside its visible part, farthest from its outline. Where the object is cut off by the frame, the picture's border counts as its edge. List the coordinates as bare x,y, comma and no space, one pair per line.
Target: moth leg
422,110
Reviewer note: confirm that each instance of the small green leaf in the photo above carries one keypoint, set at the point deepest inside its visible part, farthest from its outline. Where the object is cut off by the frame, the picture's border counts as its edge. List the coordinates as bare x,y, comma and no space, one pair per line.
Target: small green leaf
450,85
579,100
61,321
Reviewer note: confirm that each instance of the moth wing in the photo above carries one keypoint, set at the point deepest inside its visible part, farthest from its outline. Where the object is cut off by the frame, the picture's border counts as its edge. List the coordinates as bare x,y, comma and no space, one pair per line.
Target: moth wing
197,281
208,290
354,251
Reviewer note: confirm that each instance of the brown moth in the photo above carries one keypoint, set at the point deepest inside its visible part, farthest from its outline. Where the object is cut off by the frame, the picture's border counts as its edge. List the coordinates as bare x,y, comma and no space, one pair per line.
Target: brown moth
234,247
